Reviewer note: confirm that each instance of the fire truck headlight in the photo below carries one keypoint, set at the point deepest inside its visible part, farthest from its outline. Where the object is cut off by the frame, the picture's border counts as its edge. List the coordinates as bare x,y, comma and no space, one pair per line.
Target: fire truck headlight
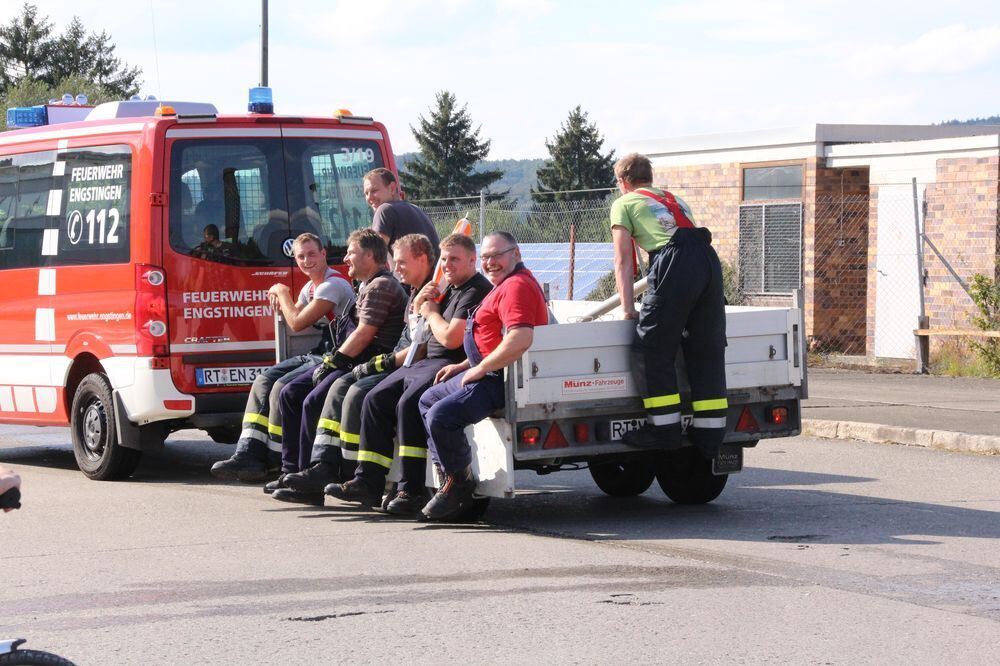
157,328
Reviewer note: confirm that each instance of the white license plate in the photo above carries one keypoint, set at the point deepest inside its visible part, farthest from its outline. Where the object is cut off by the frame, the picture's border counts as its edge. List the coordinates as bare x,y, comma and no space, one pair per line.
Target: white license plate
231,376
622,426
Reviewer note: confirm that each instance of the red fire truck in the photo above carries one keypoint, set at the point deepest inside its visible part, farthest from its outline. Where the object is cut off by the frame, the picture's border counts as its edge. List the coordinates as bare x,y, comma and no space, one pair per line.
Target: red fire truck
138,240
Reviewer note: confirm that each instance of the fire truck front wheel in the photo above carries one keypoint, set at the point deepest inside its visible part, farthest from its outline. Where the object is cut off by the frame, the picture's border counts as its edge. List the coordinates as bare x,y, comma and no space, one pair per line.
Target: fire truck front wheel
624,478
94,432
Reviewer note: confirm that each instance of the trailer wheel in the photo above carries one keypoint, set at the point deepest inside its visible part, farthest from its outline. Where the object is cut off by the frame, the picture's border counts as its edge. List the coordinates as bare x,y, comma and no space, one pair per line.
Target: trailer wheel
95,437
224,434
686,477
623,479
475,511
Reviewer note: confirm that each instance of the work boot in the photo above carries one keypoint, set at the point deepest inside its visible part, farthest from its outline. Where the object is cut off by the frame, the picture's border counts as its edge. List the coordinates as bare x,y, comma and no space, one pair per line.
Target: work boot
355,490
650,436
298,497
390,495
454,497
406,504
313,479
243,467
277,484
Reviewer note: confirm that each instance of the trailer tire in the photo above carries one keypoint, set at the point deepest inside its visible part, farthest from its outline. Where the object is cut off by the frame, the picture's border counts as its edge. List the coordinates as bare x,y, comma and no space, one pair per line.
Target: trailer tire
224,434
686,477
98,453
475,511
623,478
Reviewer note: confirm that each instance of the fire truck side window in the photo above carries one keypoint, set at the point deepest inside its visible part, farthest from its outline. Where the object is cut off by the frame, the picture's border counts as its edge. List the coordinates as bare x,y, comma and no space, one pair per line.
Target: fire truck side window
95,221
325,178
65,209
227,201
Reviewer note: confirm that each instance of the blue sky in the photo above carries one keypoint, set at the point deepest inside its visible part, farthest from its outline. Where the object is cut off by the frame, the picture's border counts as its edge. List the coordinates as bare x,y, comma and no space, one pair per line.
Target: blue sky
641,70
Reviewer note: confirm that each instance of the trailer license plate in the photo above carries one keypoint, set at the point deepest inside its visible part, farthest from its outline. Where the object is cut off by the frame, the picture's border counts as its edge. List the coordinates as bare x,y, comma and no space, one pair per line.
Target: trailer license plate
622,426
233,375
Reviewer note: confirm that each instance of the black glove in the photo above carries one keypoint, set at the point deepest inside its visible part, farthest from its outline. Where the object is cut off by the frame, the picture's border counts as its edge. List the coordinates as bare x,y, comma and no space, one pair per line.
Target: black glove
331,362
376,364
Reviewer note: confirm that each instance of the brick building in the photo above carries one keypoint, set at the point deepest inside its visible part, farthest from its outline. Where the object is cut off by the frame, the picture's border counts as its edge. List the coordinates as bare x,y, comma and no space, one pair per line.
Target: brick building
830,209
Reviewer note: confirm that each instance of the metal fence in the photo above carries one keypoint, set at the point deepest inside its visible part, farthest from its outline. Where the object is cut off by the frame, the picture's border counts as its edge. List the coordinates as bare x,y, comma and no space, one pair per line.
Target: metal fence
870,264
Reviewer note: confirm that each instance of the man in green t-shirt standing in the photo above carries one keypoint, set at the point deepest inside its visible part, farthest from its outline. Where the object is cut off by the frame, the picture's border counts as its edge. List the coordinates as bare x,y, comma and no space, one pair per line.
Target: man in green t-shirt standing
685,293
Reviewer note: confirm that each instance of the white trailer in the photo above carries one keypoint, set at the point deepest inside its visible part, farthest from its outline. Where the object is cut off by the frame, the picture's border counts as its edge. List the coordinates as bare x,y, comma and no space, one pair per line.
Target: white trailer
571,397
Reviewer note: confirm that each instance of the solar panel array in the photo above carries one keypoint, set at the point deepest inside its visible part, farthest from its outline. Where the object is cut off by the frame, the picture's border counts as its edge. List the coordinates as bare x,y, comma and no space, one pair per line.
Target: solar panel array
550,263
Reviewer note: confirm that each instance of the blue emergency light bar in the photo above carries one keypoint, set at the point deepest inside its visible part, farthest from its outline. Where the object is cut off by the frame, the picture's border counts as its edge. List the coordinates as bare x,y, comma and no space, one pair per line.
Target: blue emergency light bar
261,101
27,116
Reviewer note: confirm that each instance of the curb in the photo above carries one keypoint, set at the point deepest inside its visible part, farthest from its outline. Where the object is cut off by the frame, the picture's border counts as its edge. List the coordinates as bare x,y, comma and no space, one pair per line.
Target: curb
945,440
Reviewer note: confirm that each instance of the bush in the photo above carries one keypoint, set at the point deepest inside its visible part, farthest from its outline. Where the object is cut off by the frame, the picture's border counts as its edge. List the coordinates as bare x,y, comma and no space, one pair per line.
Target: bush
985,294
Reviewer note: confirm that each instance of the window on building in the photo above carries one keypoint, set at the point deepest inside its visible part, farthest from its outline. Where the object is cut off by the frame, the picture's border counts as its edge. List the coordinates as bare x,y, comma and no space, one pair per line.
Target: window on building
770,248
772,182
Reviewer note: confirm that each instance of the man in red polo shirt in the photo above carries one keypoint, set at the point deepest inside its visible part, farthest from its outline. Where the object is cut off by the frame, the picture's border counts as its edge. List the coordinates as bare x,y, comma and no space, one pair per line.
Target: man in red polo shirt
501,329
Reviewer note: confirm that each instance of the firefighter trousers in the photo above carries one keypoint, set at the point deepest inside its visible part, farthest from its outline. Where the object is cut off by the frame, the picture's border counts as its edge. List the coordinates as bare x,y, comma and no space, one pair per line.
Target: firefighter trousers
301,403
337,431
449,407
685,293
262,423
392,409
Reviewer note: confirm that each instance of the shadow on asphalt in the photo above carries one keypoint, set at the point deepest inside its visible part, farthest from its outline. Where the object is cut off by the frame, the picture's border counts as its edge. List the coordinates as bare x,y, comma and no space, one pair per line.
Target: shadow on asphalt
762,504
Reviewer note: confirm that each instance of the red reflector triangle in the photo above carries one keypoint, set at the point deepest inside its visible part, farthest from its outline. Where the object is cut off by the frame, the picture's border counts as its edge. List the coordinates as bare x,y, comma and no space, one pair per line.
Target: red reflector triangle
747,422
555,439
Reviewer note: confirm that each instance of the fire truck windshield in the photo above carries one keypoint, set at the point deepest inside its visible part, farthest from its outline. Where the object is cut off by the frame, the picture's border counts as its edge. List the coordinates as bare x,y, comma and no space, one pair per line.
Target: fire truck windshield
237,200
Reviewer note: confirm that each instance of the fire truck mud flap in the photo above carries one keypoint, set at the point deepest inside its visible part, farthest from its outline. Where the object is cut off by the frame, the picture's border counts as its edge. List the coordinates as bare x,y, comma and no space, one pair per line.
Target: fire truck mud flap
129,434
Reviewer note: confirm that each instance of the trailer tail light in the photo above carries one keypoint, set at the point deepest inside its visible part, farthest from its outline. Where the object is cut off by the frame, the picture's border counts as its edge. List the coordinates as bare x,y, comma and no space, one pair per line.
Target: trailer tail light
531,436
581,432
555,439
777,415
150,310
747,422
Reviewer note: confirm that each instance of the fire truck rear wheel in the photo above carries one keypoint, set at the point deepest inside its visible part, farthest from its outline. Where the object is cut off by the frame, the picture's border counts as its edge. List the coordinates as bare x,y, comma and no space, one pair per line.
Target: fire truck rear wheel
224,434
623,478
686,477
95,437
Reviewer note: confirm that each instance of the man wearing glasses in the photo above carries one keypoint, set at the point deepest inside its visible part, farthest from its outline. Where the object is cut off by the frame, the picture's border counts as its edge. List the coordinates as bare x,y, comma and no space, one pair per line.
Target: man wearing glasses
501,329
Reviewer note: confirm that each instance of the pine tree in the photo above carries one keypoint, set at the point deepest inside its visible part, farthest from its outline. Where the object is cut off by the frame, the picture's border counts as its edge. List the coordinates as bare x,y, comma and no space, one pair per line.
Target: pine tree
30,53
25,47
92,57
449,151
575,162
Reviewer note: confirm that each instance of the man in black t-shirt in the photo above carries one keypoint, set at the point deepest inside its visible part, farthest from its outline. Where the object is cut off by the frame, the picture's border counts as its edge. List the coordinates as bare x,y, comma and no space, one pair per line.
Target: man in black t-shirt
392,407
394,218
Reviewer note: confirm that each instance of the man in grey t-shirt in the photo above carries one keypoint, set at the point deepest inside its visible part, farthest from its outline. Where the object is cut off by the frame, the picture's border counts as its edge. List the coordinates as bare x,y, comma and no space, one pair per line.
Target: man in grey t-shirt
394,218
324,299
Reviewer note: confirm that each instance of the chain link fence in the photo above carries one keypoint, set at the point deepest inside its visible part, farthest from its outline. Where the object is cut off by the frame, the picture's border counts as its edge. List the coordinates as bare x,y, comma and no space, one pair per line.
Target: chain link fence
870,265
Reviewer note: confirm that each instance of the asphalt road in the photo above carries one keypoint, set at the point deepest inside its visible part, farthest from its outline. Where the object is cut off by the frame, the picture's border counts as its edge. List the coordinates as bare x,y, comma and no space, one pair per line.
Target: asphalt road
822,551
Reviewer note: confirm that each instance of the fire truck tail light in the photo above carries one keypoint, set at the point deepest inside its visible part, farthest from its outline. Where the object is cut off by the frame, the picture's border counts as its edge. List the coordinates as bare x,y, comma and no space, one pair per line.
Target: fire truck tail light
777,415
177,404
159,363
150,310
531,436
154,277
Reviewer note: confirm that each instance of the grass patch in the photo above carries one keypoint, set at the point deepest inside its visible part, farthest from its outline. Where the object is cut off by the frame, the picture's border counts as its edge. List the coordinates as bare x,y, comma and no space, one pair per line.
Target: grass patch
954,357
